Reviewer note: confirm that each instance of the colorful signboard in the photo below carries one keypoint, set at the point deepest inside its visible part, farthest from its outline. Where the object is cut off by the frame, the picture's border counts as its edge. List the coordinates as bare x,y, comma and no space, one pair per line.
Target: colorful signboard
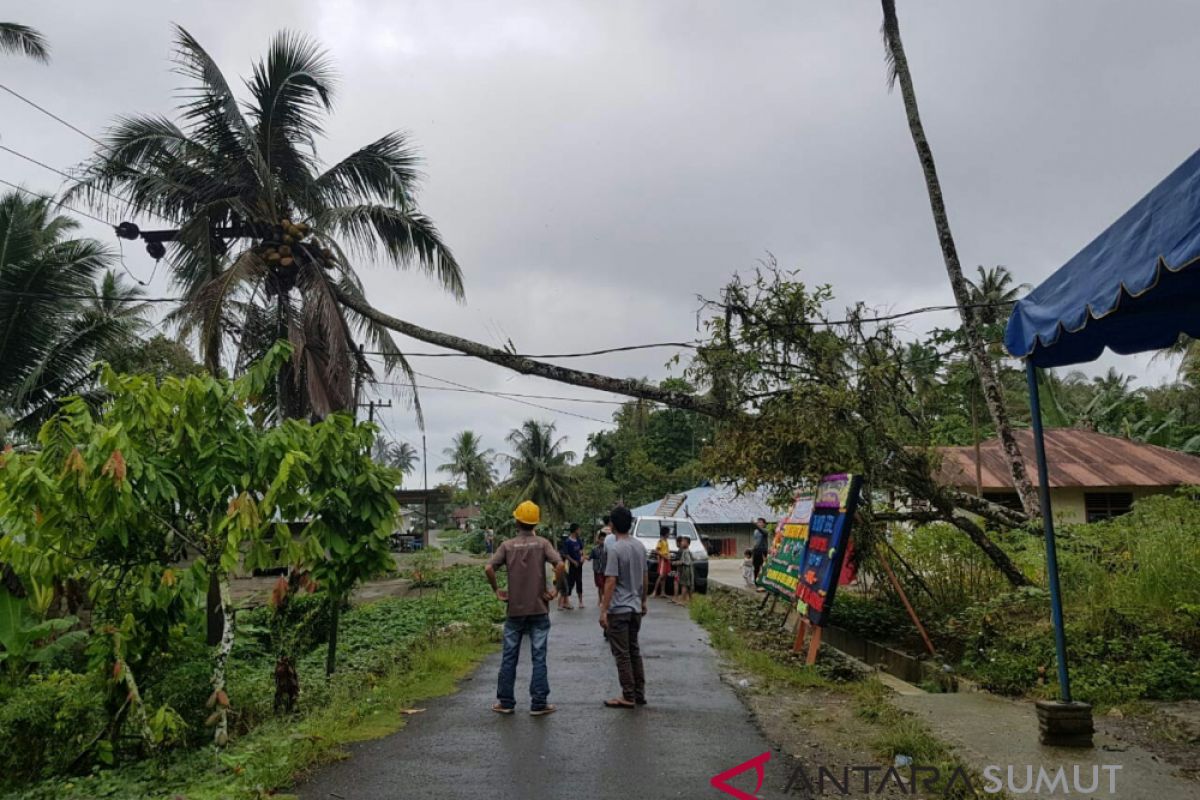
781,573
827,545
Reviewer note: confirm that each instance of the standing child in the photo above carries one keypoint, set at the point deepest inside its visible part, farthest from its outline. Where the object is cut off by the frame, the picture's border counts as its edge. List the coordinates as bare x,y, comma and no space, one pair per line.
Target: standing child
596,556
662,552
748,568
561,588
684,574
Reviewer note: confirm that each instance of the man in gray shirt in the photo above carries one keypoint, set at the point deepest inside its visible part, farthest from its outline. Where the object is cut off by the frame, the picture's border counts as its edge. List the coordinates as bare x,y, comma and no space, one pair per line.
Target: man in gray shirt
623,606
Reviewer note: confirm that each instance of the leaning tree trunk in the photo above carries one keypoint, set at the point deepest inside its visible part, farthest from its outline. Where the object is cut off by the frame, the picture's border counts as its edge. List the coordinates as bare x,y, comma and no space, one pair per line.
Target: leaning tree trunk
986,370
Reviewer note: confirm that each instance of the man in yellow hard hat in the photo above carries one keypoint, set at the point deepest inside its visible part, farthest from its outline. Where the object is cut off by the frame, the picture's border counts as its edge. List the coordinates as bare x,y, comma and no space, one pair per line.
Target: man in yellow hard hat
525,557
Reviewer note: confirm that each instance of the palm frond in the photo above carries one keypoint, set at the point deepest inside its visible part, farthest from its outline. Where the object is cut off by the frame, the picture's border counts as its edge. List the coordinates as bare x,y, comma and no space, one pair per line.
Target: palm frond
292,87
17,38
890,31
406,236
384,171
211,108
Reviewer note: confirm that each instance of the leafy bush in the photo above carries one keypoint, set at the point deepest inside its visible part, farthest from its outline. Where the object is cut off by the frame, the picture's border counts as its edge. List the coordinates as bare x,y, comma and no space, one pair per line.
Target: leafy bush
45,722
1113,657
873,618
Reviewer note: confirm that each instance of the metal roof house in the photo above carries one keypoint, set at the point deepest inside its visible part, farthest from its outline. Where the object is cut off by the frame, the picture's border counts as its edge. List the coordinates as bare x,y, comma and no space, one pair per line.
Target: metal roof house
1092,477
720,514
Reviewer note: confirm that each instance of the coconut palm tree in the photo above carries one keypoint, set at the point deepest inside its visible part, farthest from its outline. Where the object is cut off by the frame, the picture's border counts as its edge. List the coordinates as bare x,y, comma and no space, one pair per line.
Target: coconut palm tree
540,467
267,235
55,319
995,292
993,394
400,456
470,464
17,38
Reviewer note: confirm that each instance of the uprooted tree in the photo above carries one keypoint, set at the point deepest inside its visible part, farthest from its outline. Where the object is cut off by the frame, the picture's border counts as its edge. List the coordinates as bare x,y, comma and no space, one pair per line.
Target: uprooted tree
795,394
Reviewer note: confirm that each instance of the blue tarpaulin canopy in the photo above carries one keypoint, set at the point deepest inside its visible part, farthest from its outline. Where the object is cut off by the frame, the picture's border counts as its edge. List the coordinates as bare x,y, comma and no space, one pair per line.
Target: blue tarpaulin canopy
1136,287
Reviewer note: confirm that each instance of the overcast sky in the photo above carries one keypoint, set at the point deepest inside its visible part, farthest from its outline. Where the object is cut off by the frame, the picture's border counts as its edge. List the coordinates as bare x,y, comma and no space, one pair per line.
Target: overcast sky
597,165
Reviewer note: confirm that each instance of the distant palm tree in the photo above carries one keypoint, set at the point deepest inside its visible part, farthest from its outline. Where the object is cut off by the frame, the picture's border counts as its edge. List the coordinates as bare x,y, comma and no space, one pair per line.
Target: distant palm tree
996,292
400,456
17,38
266,233
55,319
1113,382
540,467
470,464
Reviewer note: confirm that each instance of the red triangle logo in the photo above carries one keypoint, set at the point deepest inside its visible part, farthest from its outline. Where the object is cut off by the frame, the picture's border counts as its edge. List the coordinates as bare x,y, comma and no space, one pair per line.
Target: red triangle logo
758,764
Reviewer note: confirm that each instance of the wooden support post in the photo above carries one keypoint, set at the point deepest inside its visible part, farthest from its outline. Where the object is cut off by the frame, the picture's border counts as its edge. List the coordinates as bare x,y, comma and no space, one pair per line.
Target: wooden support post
801,629
771,610
912,612
814,644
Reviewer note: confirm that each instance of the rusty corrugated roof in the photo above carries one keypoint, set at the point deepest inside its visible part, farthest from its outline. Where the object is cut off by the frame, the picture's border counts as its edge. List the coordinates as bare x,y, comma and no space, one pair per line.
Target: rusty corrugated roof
1076,458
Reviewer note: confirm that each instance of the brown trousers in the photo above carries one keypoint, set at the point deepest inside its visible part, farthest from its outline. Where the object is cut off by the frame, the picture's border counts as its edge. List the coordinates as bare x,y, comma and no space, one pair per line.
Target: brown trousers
623,631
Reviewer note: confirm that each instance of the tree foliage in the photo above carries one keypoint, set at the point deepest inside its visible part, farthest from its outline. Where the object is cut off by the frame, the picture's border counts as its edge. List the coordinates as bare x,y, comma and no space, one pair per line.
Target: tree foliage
61,308
167,489
540,468
652,451
470,464
267,234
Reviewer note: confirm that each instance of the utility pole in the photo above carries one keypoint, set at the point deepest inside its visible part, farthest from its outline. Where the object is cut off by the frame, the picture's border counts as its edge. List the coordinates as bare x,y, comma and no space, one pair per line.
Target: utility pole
371,405
425,469
358,383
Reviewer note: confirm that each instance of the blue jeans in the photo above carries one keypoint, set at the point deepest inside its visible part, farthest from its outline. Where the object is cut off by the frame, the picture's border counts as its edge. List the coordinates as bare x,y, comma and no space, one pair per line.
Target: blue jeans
537,626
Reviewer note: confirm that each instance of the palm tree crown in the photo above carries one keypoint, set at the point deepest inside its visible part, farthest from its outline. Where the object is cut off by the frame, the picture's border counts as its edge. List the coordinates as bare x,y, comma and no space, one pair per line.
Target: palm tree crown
55,320
259,216
540,467
469,463
400,456
995,292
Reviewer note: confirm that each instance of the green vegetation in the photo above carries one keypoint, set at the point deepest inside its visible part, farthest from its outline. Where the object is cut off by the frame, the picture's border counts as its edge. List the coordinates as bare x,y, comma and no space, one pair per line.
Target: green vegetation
398,651
61,308
1131,590
753,642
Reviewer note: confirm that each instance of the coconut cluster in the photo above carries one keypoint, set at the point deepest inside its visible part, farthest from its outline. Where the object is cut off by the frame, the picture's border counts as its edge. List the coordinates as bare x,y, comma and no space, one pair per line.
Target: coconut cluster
288,241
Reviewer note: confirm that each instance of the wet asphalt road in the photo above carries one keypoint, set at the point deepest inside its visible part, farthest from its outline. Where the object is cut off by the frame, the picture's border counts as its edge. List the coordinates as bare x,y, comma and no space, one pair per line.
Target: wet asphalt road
693,728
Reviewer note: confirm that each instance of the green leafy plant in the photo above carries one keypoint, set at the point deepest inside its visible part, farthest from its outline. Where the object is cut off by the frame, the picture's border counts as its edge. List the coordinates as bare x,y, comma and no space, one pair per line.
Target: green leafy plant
27,641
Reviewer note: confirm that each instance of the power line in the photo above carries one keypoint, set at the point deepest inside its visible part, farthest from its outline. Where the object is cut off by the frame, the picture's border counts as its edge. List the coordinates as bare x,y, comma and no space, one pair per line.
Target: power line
601,352
507,396
53,116
66,296
58,203
561,398
57,171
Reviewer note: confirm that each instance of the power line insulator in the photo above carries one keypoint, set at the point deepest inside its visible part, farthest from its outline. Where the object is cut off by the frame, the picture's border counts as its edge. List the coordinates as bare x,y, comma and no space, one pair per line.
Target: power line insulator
156,249
127,230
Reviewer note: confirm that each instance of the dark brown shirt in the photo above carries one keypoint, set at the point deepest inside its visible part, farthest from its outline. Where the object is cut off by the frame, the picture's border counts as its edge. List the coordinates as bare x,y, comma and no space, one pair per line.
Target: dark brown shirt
525,558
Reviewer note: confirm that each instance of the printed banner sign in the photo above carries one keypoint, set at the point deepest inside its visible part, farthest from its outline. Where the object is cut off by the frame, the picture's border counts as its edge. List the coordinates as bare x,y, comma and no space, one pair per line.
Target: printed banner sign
828,543
781,573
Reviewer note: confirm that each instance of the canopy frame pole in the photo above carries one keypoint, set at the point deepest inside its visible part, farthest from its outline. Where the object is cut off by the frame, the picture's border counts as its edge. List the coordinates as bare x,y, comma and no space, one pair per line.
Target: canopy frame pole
1039,442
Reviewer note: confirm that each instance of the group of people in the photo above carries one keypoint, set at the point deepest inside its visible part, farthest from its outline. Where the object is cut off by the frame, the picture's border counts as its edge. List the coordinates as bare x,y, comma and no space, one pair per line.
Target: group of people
619,568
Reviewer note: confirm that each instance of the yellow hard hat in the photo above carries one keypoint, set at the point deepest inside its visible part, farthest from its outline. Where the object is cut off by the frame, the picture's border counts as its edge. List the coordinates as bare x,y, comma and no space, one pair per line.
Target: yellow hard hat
528,513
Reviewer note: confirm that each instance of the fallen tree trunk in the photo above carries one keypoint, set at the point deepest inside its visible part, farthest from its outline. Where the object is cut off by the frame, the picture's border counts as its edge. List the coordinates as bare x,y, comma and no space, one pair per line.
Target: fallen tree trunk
942,500
528,366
